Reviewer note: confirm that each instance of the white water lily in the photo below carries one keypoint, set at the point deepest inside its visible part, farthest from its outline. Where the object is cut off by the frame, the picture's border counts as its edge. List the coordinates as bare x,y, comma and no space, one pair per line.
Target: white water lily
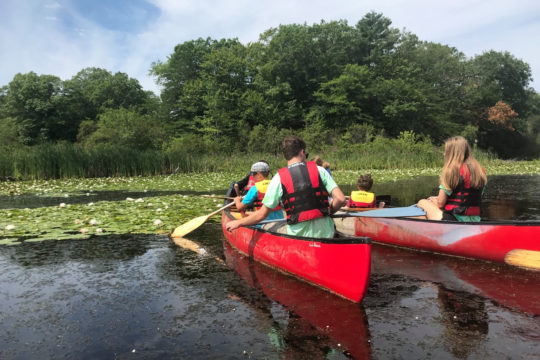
129,199
139,200
159,210
99,230
10,227
93,222
157,222
62,205
90,204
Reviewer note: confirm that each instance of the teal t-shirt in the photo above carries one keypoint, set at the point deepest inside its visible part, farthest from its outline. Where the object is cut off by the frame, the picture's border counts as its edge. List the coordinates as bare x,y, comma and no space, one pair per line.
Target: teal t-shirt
250,198
317,228
462,218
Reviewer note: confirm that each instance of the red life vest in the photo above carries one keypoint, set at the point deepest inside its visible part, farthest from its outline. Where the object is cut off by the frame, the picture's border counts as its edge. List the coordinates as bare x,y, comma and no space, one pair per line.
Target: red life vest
262,186
304,194
251,182
464,200
361,199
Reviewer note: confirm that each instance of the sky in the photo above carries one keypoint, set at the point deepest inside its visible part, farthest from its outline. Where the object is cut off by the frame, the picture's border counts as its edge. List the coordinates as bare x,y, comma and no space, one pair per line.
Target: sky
62,37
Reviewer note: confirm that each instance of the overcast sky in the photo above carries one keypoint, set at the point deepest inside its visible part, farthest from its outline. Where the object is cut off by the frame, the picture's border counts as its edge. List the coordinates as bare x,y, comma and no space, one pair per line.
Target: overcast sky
61,37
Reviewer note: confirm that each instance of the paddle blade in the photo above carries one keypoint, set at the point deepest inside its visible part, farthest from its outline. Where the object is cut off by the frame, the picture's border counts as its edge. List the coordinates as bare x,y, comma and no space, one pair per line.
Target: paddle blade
188,227
190,245
529,259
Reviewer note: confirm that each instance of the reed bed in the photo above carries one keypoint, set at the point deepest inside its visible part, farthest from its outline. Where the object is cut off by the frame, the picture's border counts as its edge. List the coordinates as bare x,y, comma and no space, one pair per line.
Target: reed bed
66,160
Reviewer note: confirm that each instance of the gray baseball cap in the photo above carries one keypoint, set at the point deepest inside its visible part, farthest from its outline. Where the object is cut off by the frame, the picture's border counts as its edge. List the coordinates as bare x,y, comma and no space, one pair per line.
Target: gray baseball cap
260,167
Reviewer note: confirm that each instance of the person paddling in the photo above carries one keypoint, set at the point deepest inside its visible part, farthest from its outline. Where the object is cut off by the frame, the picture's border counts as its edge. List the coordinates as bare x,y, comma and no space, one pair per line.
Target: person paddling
303,188
260,172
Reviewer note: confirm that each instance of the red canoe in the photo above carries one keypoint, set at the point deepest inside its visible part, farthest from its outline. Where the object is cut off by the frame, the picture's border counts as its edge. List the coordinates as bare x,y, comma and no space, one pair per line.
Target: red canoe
490,240
339,324
340,265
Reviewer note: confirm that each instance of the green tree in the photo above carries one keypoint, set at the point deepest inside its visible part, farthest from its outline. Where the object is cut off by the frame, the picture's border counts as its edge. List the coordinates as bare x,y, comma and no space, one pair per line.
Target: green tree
30,102
127,128
344,101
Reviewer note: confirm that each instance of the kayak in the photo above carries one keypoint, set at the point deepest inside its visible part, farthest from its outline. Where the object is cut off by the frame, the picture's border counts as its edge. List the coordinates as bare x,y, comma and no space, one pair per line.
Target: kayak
475,280
340,265
339,324
487,240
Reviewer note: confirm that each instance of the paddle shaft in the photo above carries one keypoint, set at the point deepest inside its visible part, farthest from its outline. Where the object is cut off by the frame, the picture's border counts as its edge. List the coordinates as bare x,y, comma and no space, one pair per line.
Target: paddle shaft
220,209
191,225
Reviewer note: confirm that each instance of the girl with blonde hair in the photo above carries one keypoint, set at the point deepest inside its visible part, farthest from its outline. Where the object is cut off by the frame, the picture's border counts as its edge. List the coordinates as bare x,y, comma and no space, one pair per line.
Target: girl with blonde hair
461,186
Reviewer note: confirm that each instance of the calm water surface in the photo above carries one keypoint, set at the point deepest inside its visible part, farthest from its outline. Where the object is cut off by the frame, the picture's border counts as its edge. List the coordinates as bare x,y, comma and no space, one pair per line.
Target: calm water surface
142,297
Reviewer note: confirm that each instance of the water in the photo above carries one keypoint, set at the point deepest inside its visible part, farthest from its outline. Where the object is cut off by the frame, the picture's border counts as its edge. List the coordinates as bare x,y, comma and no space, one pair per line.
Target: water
142,297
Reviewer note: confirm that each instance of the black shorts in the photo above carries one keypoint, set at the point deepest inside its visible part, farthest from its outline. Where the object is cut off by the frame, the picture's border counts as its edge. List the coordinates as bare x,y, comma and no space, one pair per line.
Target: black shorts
448,217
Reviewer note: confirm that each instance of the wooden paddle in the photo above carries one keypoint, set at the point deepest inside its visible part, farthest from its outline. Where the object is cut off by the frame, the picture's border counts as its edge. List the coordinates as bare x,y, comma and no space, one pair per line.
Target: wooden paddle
193,246
529,259
192,224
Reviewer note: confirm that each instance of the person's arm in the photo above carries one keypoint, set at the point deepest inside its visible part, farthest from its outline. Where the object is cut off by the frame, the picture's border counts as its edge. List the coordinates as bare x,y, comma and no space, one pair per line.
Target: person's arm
239,204
338,200
242,203
433,205
252,219
439,200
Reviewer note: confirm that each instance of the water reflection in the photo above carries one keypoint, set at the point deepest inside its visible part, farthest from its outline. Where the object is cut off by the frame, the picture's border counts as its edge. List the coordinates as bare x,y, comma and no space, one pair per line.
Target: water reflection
143,297
318,323
105,247
504,285
465,321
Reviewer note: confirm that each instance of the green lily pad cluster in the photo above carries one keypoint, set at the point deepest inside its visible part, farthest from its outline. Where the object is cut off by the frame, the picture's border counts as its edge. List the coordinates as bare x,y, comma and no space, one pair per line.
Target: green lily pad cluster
157,214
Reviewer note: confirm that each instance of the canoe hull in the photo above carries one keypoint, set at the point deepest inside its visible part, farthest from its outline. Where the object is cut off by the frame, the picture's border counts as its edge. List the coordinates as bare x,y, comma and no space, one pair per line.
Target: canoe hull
341,265
342,321
486,241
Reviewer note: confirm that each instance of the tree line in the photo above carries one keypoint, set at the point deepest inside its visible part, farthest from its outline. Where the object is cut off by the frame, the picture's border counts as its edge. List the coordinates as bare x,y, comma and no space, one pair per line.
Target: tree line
333,83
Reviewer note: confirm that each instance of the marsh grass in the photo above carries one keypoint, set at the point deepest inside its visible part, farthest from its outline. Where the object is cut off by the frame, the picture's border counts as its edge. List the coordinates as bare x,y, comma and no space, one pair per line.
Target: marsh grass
66,160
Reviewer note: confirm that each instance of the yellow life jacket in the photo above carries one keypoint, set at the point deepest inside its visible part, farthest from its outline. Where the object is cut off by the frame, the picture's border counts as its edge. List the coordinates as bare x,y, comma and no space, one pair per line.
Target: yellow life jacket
262,186
360,198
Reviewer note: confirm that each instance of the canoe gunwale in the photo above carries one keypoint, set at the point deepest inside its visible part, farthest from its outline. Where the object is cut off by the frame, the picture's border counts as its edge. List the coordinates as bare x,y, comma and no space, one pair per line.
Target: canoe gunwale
342,239
483,222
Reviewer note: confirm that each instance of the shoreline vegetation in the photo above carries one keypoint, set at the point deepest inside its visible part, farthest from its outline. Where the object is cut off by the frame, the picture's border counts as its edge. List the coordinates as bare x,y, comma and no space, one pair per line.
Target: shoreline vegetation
68,161
363,96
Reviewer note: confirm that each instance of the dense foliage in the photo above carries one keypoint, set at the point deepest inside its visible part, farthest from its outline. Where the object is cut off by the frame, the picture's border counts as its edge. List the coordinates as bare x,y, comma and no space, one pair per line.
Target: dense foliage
337,85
